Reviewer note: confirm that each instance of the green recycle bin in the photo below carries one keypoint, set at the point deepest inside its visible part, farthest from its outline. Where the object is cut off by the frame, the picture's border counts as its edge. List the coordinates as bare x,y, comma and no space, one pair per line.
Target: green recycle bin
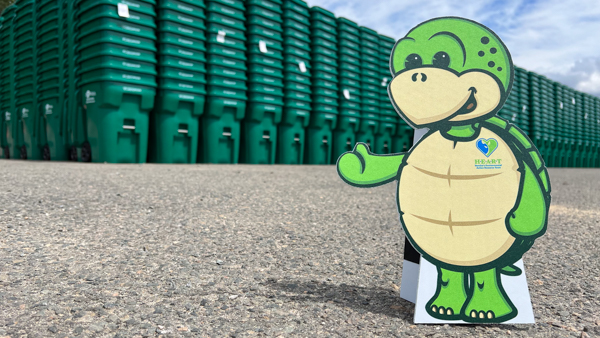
221,130
259,136
175,127
118,120
369,126
319,135
385,134
291,135
403,139
344,135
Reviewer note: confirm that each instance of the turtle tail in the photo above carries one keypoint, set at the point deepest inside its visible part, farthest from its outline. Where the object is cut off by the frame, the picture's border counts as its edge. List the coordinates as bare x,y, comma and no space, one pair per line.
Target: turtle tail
511,270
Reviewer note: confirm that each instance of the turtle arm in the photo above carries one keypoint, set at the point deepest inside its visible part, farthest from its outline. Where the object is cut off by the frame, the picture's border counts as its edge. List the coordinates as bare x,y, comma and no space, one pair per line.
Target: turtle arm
361,168
529,217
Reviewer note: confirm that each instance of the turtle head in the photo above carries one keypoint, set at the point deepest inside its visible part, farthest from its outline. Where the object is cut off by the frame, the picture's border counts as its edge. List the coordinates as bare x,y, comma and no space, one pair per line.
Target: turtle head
449,70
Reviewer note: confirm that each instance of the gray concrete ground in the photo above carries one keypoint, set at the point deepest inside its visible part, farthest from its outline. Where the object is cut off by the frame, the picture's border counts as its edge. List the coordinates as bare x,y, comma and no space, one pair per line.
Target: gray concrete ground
214,251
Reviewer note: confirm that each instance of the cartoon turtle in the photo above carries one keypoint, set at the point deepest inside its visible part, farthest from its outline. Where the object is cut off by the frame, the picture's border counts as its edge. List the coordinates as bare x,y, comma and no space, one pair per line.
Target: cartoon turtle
473,193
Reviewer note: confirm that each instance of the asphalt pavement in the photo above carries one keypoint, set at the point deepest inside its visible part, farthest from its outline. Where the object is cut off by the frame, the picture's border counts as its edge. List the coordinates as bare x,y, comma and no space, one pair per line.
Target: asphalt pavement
100,250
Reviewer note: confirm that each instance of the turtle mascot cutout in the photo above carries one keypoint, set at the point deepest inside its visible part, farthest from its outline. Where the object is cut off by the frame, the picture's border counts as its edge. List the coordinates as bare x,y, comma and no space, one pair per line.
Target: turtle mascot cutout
473,193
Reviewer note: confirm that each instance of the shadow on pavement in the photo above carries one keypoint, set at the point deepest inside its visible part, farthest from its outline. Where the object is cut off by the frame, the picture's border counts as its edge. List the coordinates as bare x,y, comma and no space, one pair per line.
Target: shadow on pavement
375,300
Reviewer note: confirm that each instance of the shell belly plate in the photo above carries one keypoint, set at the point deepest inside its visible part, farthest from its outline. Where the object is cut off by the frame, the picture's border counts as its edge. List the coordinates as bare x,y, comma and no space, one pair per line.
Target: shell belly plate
452,209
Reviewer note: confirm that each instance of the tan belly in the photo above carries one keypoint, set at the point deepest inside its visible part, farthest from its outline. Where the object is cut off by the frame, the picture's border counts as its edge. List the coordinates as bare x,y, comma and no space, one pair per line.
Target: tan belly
454,211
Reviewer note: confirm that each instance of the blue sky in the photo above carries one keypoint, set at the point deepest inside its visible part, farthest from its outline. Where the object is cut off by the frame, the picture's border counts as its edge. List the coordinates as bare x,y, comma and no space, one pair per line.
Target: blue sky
557,38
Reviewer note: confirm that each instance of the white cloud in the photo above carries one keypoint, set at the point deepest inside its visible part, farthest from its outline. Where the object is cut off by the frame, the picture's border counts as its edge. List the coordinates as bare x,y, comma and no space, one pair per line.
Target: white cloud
551,37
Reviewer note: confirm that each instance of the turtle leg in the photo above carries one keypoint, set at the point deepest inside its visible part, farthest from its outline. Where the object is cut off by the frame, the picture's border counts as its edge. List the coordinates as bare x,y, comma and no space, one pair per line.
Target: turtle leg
488,302
450,295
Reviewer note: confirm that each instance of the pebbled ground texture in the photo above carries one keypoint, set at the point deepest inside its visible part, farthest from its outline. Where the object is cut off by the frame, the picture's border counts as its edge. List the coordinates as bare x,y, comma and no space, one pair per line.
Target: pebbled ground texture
98,250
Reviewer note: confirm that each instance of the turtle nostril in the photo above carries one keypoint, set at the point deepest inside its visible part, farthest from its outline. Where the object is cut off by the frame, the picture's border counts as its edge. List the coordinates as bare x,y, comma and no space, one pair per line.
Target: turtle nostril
414,77
423,77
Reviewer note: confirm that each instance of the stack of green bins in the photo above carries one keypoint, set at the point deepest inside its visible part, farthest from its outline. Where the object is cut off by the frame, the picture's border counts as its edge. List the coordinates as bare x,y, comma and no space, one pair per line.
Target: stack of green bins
588,115
325,104
2,51
548,111
117,68
74,100
541,134
226,94
7,103
579,126
349,88
370,82
521,89
297,82
51,79
265,96
561,131
402,139
596,134
596,138
569,125
175,120
27,79
388,118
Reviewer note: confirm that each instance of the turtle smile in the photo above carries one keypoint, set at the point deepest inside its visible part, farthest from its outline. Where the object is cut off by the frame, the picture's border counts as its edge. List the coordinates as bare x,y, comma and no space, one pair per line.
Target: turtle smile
470,105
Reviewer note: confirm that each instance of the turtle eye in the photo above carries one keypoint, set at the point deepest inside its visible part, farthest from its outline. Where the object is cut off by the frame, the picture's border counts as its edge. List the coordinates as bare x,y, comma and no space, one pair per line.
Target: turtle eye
441,60
413,61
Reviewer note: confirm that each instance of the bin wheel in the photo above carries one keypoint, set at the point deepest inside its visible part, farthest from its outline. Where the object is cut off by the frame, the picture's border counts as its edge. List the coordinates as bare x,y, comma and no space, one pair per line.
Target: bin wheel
23,152
86,152
73,154
7,152
46,153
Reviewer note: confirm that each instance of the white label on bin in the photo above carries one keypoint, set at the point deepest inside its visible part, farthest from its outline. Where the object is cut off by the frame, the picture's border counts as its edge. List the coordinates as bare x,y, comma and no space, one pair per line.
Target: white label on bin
131,65
183,52
561,105
7,116
347,94
49,108
185,19
186,97
127,52
221,36
302,66
130,89
90,97
524,108
262,46
384,82
25,113
123,10
185,8
585,116
573,100
132,4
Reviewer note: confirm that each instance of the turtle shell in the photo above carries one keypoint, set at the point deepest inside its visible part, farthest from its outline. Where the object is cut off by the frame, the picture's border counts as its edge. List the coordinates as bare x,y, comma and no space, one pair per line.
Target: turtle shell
454,197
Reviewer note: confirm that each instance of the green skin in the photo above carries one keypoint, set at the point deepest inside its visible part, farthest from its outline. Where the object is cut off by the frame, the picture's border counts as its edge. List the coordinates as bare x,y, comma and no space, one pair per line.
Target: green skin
472,294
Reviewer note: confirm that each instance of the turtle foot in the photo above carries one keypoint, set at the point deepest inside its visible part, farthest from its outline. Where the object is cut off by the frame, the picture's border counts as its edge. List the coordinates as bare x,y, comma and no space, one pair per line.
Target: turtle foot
449,297
489,302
